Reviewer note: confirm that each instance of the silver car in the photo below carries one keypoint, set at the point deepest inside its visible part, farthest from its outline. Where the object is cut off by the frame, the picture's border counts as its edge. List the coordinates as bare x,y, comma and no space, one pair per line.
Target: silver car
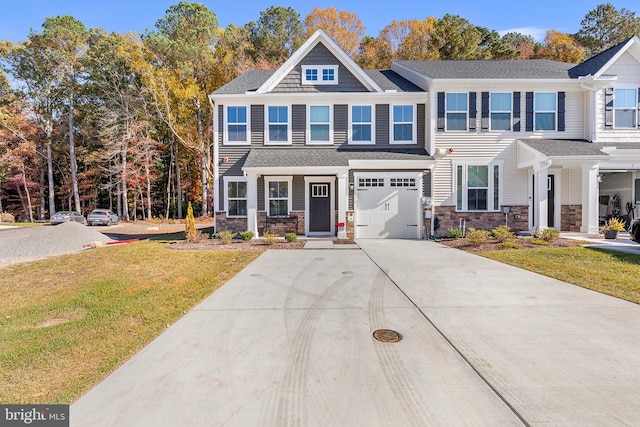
67,216
102,217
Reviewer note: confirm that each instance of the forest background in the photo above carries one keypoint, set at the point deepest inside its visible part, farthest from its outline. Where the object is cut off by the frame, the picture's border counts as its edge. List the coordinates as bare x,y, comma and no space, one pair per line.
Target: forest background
122,121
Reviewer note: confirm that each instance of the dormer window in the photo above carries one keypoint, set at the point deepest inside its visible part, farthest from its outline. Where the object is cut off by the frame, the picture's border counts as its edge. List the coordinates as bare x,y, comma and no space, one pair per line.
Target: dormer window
319,74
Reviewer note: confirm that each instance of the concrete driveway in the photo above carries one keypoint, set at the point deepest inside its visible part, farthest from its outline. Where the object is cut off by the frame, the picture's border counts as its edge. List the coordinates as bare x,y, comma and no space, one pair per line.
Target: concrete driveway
288,341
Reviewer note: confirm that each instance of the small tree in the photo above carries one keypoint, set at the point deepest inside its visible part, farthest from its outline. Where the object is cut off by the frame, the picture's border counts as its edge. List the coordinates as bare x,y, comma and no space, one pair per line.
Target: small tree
190,231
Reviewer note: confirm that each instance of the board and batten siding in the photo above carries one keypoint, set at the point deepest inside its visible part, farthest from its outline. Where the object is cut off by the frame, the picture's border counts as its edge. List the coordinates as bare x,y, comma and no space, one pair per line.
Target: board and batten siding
571,185
319,55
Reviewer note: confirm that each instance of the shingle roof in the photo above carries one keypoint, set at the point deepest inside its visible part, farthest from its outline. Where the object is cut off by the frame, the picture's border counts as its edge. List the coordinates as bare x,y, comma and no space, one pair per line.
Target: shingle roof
491,69
329,156
595,63
247,81
565,147
390,80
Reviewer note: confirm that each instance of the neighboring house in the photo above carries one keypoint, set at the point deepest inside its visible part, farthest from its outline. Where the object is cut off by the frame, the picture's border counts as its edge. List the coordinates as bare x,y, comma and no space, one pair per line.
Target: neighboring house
322,147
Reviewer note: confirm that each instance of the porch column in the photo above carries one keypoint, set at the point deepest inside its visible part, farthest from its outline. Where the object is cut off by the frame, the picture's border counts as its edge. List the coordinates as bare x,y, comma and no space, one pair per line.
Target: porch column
590,190
541,197
252,203
343,198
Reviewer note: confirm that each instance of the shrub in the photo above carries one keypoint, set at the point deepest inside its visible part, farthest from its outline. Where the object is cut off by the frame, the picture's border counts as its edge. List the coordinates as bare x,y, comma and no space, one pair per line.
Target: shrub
7,217
539,242
456,233
291,237
190,232
548,234
477,237
509,245
269,238
503,233
246,235
226,236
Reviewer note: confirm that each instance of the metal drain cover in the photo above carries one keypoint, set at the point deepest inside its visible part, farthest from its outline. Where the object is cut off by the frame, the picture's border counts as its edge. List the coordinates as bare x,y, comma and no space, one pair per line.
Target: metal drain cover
387,335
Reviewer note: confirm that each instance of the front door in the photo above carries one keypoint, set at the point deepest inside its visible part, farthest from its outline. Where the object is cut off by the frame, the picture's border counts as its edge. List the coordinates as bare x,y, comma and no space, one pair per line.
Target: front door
319,207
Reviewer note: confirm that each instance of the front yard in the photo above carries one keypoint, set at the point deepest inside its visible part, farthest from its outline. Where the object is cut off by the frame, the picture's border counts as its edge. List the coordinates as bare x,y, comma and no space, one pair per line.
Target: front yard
67,322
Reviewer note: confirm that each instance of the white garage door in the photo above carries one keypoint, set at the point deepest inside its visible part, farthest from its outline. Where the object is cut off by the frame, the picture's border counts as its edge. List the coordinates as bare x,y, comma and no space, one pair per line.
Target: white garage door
387,206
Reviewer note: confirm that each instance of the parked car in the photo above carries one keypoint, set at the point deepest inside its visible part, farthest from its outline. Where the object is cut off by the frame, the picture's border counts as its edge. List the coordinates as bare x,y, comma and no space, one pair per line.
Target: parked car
67,216
102,217
634,230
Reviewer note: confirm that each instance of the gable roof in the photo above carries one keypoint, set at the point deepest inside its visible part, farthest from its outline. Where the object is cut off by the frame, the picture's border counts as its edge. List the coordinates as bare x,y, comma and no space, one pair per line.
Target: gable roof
249,81
489,69
318,37
598,65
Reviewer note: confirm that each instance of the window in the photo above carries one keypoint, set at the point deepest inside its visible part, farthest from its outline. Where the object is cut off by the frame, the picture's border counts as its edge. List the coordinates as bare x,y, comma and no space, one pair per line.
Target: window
402,182
278,193
456,111
319,130
403,119
500,105
277,124
370,182
319,190
361,124
625,107
319,74
236,197
544,111
477,187
237,124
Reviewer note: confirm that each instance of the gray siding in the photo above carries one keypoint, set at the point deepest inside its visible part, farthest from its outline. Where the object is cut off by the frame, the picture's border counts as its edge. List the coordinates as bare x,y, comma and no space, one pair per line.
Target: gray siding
257,124
261,194
320,55
426,183
236,155
340,123
298,193
298,124
382,124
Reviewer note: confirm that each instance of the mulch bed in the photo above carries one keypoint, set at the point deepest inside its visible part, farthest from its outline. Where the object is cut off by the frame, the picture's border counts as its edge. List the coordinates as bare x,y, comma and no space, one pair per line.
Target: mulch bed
256,244
494,245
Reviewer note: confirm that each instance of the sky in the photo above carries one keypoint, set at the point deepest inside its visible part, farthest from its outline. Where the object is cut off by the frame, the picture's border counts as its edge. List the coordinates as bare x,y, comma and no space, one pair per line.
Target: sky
18,17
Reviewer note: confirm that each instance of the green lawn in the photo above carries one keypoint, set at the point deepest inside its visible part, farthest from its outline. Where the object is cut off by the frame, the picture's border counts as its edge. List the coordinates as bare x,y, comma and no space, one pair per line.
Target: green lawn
67,322
609,272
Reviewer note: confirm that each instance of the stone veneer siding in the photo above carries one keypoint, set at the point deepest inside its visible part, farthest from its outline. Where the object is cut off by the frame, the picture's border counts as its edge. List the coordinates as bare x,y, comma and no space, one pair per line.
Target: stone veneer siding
571,218
449,218
232,224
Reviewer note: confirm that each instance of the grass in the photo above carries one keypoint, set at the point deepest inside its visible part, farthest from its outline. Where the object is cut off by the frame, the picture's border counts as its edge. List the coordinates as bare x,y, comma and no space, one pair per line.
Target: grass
609,272
67,322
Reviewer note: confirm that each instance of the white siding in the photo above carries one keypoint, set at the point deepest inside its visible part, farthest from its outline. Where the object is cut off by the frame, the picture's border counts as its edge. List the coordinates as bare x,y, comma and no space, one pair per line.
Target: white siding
571,187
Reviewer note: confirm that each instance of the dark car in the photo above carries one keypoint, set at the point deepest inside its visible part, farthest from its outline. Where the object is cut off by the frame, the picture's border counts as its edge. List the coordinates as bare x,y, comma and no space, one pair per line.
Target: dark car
102,217
67,216
634,230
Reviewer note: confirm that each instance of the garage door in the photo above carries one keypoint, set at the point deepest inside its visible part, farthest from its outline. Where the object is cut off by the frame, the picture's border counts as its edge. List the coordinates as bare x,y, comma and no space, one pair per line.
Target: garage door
387,207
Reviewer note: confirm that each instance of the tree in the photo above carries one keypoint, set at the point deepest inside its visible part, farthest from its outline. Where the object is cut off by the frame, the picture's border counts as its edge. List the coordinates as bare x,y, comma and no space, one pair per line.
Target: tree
457,38
523,43
605,26
276,35
374,53
178,74
419,43
344,28
558,46
492,46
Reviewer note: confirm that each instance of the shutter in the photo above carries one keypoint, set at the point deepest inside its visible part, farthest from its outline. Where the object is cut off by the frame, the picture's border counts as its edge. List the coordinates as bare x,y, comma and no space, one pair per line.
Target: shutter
638,109
561,96
440,111
529,112
608,108
484,122
473,111
516,111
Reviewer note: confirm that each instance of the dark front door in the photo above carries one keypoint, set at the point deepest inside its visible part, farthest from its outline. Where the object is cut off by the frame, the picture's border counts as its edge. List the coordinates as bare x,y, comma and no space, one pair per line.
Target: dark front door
319,207
551,193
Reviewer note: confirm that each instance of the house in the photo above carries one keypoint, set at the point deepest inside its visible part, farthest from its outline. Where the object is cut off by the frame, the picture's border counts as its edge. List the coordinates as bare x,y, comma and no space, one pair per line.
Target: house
323,147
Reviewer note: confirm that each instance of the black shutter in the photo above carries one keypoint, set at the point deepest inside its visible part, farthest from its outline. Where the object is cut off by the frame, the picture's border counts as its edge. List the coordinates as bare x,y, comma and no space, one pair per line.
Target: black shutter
608,108
561,96
516,112
473,111
440,111
529,112
484,122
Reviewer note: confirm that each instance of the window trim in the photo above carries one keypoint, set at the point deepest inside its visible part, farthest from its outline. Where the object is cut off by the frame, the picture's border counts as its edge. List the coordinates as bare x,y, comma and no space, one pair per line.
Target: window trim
267,123
447,111
635,108
414,125
320,73
536,111
226,124
226,181
509,111
372,123
267,180
308,133
491,185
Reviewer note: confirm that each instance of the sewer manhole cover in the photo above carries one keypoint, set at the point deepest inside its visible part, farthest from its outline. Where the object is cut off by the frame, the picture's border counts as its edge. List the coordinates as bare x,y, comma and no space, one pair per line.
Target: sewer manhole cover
386,335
